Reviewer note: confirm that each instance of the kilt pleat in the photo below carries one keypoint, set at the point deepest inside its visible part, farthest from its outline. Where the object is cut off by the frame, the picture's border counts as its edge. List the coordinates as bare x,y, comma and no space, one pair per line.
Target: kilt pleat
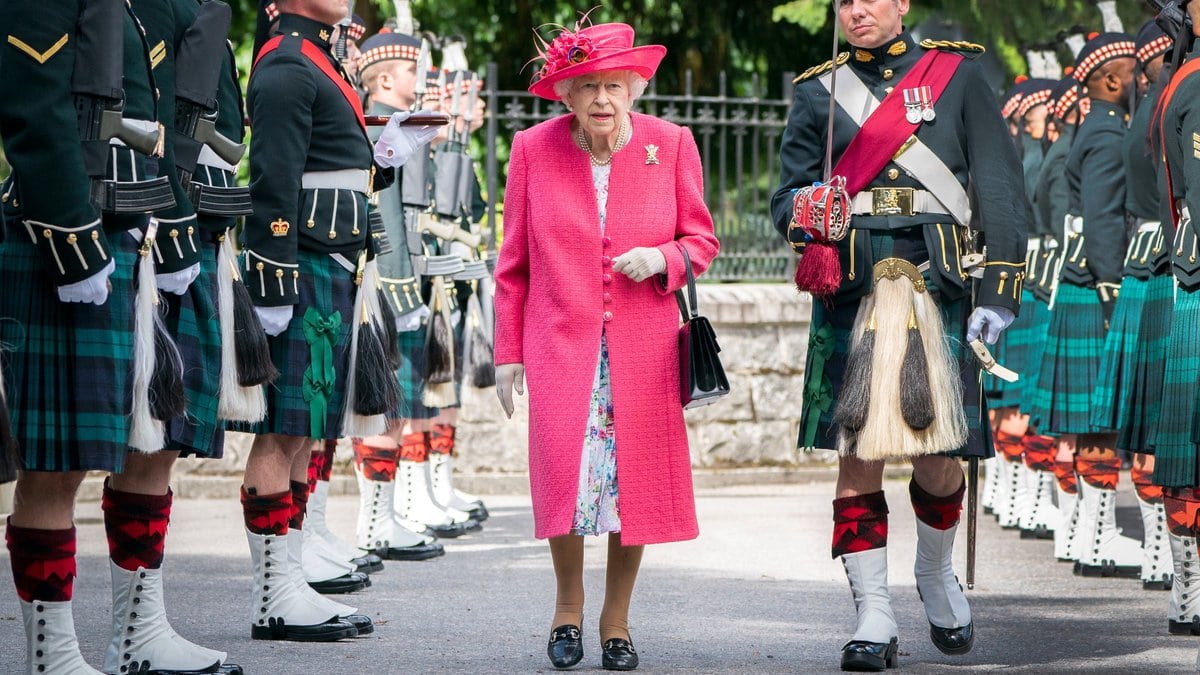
1175,453
1114,385
411,375
67,366
829,340
1039,316
1013,351
192,319
327,287
1071,362
1139,427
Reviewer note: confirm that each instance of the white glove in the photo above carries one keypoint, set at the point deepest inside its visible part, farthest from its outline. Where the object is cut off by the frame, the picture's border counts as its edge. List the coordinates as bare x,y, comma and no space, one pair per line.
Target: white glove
177,283
641,263
990,321
274,320
396,144
93,289
509,376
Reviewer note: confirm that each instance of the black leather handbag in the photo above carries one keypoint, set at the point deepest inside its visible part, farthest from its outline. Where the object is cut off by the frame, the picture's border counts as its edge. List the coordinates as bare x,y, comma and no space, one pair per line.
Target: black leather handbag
701,376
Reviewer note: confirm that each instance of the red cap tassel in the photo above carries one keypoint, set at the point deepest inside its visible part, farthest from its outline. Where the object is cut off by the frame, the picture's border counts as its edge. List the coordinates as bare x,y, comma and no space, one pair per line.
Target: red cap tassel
819,271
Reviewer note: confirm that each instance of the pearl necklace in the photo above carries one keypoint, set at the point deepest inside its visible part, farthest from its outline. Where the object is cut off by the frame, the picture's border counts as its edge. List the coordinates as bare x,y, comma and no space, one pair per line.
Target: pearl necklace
622,138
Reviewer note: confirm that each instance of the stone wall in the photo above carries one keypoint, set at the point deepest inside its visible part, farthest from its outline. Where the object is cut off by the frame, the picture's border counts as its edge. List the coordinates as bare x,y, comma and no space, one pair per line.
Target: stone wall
763,332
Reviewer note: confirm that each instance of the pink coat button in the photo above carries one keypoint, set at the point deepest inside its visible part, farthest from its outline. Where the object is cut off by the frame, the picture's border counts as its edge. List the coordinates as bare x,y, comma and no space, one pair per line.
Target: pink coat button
608,316
608,297
607,241
607,278
606,261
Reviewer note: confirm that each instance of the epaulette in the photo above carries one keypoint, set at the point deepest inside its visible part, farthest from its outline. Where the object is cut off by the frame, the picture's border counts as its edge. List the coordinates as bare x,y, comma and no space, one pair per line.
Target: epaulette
969,49
822,69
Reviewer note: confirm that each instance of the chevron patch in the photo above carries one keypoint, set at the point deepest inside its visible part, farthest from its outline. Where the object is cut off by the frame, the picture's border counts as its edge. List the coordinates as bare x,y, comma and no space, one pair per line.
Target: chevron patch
40,57
157,54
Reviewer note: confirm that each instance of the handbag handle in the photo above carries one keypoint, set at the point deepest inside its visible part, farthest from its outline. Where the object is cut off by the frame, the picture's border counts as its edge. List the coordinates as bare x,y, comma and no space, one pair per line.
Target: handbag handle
689,307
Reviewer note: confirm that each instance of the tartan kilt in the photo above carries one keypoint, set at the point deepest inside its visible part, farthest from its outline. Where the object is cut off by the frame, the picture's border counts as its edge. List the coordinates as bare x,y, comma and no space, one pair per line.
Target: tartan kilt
1139,427
68,367
1013,351
327,287
829,345
1039,314
411,375
1114,384
1070,364
1175,456
193,321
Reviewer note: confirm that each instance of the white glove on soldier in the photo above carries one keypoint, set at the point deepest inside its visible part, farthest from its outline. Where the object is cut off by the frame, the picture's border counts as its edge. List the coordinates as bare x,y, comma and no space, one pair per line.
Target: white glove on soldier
274,320
509,376
177,283
989,321
397,143
93,289
641,263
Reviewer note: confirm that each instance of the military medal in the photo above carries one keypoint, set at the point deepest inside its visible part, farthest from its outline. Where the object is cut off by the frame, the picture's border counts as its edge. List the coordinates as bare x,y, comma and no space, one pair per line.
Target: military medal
912,107
925,95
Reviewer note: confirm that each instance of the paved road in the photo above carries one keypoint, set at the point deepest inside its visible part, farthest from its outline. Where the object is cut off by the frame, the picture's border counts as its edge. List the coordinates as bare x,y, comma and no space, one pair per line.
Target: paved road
757,592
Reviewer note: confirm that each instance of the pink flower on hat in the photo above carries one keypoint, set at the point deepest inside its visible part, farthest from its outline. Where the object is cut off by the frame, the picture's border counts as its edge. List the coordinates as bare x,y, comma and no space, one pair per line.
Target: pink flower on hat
567,49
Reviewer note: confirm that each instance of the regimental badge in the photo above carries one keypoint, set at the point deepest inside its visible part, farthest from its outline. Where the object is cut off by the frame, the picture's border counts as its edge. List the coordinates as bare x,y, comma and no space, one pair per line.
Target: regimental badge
898,48
918,105
324,35
280,228
1195,145
651,154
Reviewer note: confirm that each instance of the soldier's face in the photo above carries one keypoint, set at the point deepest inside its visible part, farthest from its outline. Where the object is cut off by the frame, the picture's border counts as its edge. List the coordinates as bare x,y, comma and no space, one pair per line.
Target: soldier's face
1035,121
871,23
325,11
1154,68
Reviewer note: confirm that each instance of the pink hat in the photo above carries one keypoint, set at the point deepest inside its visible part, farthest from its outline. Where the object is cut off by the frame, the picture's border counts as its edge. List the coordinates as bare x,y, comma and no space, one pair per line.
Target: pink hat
606,46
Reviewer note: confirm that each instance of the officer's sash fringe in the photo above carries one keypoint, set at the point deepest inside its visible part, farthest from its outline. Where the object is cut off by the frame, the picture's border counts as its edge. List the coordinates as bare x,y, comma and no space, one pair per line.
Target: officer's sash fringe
902,395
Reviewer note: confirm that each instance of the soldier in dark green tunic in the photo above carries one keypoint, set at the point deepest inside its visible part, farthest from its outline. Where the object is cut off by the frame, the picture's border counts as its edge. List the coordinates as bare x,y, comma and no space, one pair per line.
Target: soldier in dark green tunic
959,129
312,167
1088,288
1129,389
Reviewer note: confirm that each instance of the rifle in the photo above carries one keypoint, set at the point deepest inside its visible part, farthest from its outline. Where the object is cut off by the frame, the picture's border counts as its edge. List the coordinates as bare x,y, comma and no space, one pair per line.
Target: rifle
199,65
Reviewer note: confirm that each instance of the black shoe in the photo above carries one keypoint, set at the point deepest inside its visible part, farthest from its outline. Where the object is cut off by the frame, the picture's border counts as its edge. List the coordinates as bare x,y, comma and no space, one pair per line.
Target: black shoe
415,552
1163,584
1107,569
361,622
145,668
1184,627
870,657
566,646
347,583
276,629
953,641
618,654
450,531
368,564
479,512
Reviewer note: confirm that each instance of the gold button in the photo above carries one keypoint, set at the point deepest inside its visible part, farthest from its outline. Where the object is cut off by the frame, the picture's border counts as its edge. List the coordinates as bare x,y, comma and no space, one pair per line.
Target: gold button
392,287
71,239
95,235
888,73
191,230
295,274
259,267
1116,292
47,234
4,198
333,235
15,204
355,231
174,234
310,224
1112,113
893,174
1004,275
278,274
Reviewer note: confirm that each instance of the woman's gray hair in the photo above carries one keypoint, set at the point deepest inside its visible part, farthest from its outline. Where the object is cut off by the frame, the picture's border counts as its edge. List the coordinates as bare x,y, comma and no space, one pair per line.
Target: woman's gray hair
637,86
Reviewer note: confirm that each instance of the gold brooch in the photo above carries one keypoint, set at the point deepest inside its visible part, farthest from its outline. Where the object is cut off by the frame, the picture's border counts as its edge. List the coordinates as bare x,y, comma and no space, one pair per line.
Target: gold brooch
651,154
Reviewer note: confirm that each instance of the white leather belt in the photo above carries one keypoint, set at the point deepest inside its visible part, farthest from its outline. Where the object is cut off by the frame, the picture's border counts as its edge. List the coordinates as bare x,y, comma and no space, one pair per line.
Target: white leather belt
1148,225
866,203
1033,245
358,180
1074,224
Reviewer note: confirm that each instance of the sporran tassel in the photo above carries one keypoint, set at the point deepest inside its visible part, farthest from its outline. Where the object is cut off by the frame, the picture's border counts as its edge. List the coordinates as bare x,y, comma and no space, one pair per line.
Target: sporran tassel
916,400
855,398
439,352
387,331
166,384
245,354
146,433
369,375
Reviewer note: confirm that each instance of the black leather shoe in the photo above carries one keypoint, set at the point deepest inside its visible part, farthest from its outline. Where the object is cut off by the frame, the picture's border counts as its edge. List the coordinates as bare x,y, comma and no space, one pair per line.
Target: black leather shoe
1184,627
347,583
479,512
277,629
416,552
618,654
368,564
953,641
870,657
451,531
146,668
566,646
361,622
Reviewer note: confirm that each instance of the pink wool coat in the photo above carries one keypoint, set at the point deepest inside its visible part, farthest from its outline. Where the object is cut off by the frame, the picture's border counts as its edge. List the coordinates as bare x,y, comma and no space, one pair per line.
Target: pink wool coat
556,292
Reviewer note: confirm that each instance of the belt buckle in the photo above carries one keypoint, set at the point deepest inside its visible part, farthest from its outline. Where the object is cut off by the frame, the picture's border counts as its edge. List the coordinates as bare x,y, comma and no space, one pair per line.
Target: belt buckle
892,201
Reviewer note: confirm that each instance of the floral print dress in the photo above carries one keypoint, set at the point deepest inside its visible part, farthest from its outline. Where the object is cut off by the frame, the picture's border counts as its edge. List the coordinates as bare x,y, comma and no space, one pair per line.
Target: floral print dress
596,510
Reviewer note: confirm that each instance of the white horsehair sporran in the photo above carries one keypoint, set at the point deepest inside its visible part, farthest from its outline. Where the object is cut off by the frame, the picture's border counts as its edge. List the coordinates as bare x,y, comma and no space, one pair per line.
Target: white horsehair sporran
901,394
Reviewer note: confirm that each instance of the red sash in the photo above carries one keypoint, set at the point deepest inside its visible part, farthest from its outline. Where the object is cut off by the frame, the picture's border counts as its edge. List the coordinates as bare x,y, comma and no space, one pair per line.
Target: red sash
886,130
321,60
1165,100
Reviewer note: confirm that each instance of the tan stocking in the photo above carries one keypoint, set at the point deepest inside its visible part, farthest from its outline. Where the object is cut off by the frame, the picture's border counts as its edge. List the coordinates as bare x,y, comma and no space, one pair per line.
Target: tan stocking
623,563
567,553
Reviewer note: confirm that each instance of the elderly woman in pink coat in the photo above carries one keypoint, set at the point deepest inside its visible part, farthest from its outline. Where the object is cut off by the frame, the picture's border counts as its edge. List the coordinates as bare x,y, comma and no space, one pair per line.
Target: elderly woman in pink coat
600,205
